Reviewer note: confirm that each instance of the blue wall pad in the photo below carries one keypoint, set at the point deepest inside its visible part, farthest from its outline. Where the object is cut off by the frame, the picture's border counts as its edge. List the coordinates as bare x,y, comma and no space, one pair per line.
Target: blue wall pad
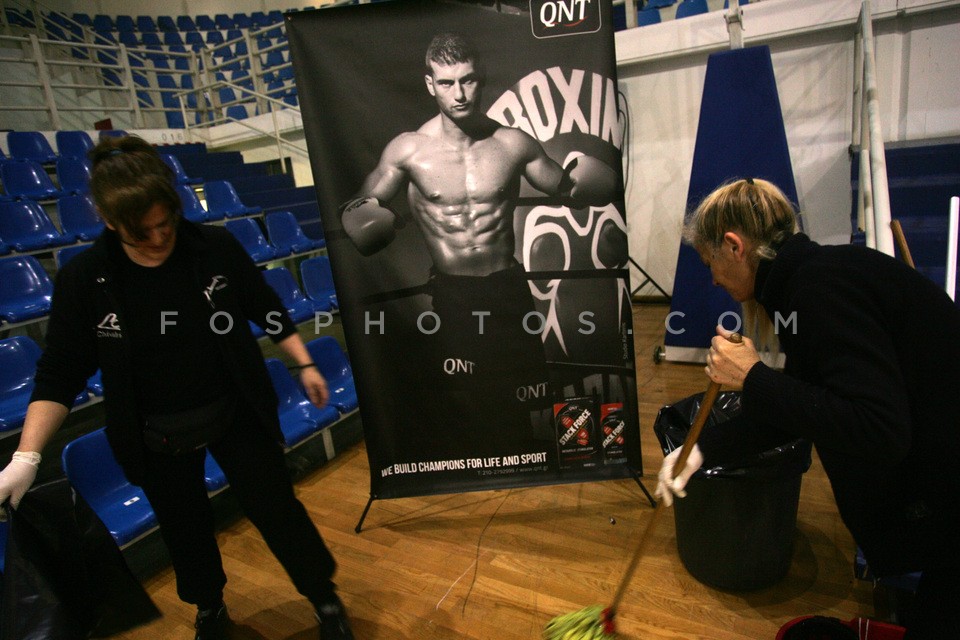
740,134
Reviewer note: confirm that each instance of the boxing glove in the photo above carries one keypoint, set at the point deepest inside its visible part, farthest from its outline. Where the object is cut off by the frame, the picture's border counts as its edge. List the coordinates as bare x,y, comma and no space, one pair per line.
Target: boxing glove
368,224
591,181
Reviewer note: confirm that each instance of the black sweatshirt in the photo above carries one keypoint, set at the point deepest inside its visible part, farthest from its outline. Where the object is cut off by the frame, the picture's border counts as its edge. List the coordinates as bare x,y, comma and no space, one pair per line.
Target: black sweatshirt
872,378
88,320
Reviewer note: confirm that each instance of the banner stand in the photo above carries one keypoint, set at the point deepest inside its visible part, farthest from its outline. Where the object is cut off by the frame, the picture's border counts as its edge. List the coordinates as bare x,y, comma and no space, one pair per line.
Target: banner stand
633,474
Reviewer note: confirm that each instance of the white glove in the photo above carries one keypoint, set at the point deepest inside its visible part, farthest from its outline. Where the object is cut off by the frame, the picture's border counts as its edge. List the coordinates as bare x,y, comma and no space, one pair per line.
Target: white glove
667,485
17,478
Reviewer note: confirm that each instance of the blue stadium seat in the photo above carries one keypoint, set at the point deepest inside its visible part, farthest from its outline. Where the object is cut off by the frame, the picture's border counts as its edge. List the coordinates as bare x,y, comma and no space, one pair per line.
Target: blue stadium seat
659,4
317,279
4,249
299,306
151,39
205,22
95,384
104,23
186,23
83,19
74,144
299,419
192,209
172,37
335,367
18,364
74,175
145,24
248,233
213,476
213,38
27,179
129,38
25,226
92,470
223,21
166,23
195,40
242,21
689,8
237,112
648,15
30,145
78,216
179,174
64,255
125,23
223,201
286,233
25,289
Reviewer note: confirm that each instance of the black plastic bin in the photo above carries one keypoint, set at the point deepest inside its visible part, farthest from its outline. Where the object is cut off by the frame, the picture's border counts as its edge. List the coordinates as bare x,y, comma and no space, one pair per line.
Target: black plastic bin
735,528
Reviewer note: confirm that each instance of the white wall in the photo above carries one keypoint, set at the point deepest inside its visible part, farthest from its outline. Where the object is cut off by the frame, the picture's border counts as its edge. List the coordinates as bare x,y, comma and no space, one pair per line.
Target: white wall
662,68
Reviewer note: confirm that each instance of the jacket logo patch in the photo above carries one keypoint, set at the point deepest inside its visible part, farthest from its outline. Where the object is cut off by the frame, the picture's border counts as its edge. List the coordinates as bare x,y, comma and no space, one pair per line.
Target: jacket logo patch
216,284
109,327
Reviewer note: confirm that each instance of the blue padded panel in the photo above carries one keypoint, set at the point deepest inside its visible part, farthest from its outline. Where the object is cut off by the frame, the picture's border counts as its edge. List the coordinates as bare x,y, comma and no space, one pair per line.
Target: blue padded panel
740,134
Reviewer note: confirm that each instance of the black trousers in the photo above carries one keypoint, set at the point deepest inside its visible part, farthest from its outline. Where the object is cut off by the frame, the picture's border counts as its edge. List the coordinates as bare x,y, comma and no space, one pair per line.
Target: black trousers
254,465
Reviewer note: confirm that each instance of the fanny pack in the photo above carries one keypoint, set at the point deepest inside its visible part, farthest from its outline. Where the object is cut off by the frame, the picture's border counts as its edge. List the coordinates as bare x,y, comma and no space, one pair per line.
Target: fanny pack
186,431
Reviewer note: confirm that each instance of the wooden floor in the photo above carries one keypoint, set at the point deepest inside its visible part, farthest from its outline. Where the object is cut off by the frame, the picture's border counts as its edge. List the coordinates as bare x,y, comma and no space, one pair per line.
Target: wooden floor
498,565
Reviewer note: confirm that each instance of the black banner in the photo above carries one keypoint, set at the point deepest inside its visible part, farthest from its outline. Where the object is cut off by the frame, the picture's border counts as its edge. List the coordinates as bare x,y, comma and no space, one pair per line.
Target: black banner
468,167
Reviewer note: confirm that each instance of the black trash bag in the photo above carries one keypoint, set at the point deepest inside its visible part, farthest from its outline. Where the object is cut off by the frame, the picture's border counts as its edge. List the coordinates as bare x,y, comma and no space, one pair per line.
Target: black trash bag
65,578
735,528
673,422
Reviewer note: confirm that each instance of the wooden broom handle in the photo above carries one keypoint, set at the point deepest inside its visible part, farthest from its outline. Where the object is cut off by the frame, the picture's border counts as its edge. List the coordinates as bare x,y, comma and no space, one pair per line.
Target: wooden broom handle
901,241
706,405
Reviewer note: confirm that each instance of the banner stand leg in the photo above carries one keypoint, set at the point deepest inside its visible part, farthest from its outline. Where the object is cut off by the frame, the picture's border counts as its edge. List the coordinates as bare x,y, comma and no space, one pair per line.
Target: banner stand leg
363,516
647,280
636,476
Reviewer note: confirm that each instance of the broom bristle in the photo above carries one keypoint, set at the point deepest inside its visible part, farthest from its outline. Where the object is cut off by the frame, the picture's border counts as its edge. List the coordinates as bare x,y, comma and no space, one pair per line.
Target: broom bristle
592,623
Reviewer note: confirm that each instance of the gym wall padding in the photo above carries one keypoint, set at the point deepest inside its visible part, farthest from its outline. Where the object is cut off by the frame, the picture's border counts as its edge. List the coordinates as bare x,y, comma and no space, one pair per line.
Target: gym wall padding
740,134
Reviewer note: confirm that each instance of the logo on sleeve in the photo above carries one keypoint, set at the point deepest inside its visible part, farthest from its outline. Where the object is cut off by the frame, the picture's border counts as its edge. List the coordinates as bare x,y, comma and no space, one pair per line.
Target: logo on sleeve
550,18
109,327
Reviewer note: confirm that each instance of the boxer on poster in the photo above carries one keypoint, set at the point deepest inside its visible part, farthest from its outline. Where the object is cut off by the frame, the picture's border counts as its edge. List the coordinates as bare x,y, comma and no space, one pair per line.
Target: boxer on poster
462,172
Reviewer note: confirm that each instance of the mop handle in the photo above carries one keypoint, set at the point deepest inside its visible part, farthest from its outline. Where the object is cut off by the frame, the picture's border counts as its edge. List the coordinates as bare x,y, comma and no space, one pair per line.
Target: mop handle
709,397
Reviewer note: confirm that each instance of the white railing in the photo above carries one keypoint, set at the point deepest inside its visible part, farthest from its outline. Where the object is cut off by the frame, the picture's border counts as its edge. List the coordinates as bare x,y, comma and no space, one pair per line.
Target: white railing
873,201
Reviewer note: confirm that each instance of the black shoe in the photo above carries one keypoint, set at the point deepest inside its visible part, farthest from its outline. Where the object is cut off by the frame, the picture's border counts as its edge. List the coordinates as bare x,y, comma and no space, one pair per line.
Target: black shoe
212,624
334,624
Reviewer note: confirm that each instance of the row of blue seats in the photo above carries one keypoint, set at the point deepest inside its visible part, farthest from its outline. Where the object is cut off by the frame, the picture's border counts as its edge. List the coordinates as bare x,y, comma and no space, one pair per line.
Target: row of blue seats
93,471
202,22
25,225
33,145
18,363
650,13
26,290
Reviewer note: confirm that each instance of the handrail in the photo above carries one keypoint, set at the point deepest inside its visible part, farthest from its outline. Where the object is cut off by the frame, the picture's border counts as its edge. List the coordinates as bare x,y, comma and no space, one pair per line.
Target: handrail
873,204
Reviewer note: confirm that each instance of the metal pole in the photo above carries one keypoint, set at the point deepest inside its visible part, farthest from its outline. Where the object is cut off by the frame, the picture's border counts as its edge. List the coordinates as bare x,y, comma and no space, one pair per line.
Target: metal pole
734,18
952,248
631,9
878,162
43,74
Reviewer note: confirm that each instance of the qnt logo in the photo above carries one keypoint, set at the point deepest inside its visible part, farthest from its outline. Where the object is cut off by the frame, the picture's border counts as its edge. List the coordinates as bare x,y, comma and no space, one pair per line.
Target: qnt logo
551,18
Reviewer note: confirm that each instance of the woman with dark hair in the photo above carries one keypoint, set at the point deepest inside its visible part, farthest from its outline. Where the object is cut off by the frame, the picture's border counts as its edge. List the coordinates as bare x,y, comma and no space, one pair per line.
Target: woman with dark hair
871,378
162,307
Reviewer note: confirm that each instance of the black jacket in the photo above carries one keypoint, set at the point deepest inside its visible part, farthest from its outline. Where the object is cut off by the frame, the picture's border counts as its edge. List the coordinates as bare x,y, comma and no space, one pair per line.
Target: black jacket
85,332
872,378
